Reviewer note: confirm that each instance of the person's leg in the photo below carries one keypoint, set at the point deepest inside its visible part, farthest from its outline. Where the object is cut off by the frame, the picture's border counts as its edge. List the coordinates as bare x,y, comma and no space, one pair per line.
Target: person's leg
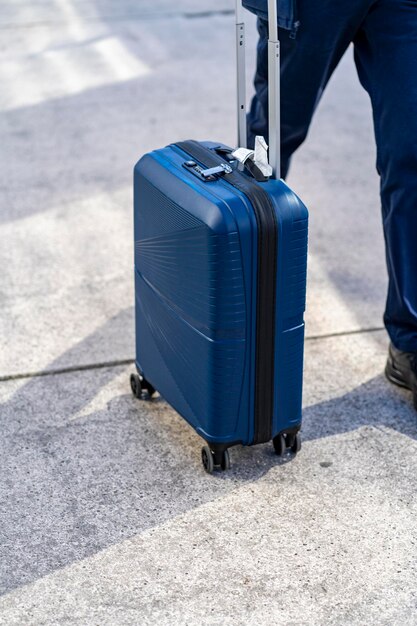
386,59
307,62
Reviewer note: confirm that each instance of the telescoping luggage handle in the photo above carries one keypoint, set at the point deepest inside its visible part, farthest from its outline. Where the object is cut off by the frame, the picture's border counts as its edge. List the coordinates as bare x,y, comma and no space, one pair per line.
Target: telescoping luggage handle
273,84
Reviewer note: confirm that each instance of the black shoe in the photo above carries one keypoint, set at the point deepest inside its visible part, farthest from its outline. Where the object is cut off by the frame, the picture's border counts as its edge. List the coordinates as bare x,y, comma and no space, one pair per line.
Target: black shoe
401,369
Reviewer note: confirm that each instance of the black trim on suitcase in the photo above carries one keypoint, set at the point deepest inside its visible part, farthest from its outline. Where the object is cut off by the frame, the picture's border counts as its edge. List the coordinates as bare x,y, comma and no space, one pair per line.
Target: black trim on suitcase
266,285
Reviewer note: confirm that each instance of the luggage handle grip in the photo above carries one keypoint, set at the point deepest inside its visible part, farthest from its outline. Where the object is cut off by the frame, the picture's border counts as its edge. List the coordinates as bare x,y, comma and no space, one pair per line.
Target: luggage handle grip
274,122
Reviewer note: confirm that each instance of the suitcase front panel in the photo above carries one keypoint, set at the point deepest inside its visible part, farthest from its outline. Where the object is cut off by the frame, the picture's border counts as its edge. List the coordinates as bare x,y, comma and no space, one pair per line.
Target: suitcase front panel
192,322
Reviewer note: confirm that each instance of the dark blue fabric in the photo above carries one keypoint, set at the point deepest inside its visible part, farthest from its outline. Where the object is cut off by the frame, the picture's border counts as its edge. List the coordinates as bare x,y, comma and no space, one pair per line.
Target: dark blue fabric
287,11
384,34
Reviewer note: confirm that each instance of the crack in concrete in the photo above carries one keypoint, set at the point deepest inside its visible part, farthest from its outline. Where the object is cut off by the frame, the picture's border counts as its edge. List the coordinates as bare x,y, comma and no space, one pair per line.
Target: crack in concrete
120,362
346,333
67,370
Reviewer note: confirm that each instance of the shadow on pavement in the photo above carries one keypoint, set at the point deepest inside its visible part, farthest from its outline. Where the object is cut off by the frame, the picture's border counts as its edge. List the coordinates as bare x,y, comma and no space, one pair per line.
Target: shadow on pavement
85,465
89,139
376,403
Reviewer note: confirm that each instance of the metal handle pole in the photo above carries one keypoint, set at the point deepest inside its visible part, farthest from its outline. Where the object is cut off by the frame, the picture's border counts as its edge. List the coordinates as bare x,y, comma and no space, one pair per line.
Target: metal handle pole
274,96
241,76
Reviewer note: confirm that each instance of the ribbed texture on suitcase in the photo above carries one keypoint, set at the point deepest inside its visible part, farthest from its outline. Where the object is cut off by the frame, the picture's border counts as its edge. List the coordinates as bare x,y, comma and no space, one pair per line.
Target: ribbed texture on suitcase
295,291
290,374
163,214
191,309
197,271
208,375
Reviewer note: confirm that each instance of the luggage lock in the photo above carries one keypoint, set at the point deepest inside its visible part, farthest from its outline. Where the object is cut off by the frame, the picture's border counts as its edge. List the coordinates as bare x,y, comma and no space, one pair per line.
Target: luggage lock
208,174
219,169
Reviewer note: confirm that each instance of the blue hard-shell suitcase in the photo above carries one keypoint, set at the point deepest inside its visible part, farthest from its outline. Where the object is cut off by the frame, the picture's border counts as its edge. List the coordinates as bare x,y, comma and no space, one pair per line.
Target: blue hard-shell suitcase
220,282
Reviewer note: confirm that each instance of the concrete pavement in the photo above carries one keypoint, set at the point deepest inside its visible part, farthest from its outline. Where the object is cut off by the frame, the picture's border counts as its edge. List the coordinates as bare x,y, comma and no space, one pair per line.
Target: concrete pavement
106,514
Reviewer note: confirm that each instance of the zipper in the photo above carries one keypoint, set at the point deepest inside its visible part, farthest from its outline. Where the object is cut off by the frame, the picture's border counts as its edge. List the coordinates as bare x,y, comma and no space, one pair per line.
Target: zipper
266,284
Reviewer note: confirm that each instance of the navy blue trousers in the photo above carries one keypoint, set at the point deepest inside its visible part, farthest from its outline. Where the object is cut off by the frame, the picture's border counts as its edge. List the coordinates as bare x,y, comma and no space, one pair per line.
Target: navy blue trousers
384,34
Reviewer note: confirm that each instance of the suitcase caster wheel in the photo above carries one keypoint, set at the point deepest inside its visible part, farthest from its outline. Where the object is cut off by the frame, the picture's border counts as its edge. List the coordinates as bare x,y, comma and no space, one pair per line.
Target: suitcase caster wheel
149,388
280,445
225,464
135,386
290,439
296,446
207,459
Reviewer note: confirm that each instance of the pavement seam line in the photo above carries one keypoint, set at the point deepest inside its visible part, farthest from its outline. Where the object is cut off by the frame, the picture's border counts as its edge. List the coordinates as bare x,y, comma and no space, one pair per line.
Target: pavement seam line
120,362
346,333
67,370
124,18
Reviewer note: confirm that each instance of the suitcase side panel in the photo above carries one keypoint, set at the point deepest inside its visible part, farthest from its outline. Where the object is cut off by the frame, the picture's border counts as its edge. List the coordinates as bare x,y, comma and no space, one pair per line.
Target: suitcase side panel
292,218
193,297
